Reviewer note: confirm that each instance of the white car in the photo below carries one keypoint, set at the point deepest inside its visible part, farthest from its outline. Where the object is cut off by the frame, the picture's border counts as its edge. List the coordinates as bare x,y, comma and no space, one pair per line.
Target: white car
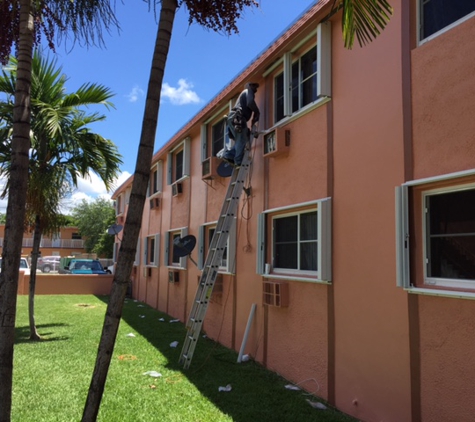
24,266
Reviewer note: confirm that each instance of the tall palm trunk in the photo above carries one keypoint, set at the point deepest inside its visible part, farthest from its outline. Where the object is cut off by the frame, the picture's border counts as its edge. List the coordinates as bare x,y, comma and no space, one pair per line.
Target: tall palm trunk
15,209
134,215
34,265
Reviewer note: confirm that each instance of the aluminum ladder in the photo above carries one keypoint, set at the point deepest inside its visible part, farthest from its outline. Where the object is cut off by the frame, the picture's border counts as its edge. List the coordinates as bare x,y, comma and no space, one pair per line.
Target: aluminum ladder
213,258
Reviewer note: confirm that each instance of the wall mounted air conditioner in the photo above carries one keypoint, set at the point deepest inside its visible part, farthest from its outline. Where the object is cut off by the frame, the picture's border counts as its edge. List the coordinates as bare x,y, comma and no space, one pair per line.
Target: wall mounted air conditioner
275,293
276,142
173,276
177,188
154,203
209,168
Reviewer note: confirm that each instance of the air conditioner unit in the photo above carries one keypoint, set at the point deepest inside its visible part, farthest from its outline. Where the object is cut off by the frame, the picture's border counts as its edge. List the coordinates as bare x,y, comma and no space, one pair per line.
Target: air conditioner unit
276,142
173,276
154,203
177,188
275,293
209,168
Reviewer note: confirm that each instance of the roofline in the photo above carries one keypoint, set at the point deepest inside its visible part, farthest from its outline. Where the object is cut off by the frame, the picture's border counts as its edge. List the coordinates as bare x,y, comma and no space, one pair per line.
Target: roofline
245,74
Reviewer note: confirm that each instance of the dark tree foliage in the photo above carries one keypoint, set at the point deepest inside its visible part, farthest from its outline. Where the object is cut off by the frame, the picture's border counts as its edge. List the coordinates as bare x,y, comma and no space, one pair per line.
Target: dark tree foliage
81,19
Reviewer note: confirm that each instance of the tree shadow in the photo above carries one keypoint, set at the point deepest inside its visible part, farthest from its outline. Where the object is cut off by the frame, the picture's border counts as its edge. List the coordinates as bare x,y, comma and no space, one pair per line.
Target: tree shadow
22,334
257,393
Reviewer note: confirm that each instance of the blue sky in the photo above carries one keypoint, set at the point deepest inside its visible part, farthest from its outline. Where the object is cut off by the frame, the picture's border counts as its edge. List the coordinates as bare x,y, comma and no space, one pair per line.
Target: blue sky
200,64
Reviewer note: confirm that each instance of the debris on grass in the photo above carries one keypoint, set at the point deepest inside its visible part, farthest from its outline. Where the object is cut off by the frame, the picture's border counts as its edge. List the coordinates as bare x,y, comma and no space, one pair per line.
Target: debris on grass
141,316
127,357
153,374
292,387
174,320
161,319
316,405
225,389
173,344
130,335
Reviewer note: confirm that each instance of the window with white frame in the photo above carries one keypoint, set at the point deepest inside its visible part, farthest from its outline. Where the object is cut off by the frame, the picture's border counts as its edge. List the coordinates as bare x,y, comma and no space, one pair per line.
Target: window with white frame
436,231
155,182
305,76
214,134
205,238
295,242
178,162
173,256
151,250
436,15
119,205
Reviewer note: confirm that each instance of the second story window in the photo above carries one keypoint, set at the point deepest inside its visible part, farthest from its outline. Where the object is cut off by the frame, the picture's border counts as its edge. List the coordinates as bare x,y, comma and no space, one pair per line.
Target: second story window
155,183
218,137
178,162
436,15
305,75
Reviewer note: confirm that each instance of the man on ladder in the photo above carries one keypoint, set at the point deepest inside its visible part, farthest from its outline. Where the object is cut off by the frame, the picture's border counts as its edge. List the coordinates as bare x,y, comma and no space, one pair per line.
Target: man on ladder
244,109
237,123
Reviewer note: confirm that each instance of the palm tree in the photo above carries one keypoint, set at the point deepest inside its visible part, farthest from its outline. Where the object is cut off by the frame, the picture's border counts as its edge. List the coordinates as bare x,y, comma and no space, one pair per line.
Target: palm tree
21,23
62,148
360,16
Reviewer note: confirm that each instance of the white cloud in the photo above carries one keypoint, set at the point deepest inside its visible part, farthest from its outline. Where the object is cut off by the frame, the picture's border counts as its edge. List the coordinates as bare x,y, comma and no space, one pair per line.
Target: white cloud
88,189
182,95
135,94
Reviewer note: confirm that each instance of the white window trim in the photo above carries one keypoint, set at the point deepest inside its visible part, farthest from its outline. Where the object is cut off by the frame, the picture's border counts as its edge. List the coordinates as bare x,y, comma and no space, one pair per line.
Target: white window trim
421,41
323,275
323,46
230,267
186,146
159,169
403,277
184,259
120,205
137,253
156,255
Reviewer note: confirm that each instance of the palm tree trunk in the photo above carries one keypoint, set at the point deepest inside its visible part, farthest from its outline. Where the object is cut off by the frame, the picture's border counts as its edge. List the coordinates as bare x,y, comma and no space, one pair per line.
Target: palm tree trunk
133,222
14,226
34,265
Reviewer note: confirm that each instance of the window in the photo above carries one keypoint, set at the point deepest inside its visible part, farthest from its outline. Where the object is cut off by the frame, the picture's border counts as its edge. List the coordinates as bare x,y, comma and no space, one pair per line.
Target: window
439,14
151,248
178,162
218,137
436,234
205,237
214,135
119,205
155,183
295,242
76,236
172,258
305,77
450,234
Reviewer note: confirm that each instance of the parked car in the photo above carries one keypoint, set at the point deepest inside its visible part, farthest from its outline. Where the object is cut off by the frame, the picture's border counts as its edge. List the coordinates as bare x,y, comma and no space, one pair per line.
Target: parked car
47,264
84,266
24,266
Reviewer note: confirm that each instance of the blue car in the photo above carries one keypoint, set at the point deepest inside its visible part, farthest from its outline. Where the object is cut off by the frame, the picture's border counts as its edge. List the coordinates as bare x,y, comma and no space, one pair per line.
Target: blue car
85,266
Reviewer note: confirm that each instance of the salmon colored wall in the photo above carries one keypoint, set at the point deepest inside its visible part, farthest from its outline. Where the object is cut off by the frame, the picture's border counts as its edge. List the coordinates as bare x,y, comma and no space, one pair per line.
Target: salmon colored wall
371,323
59,284
443,102
444,142
447,343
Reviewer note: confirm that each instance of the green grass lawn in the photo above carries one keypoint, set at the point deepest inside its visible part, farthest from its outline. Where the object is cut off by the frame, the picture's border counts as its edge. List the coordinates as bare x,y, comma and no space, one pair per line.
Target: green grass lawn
51,377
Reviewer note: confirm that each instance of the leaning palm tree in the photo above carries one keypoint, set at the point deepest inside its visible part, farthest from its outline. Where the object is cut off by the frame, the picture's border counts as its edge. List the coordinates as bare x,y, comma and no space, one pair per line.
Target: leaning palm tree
62,148
363,19
21,24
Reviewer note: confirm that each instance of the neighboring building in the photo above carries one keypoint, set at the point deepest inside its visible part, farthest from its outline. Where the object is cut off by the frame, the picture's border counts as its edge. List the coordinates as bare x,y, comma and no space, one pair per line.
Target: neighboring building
66,243
381,286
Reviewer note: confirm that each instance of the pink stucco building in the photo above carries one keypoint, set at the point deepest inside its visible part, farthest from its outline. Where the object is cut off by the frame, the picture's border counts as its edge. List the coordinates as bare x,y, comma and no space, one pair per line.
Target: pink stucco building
361,210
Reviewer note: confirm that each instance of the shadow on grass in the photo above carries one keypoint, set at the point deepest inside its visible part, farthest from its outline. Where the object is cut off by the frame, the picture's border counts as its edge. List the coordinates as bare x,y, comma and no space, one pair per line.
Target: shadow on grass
22,334
257,394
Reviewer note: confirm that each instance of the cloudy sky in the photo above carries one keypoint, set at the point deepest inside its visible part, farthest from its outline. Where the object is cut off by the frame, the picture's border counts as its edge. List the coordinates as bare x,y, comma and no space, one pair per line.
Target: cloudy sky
200,64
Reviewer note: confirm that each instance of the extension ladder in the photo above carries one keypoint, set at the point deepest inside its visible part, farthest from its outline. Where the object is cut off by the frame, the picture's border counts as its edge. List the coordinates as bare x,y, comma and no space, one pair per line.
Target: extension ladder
213,258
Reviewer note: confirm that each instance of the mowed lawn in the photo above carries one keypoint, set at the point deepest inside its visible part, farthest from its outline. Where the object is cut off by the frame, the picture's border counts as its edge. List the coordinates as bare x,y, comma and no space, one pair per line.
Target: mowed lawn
51,377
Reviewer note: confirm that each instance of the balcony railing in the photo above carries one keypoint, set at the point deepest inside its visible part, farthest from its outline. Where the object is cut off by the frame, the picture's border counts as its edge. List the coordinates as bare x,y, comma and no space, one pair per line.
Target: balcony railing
52,243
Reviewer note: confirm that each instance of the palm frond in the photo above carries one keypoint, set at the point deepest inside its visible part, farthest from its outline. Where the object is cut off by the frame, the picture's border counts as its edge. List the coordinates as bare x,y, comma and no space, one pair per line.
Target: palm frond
364,19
